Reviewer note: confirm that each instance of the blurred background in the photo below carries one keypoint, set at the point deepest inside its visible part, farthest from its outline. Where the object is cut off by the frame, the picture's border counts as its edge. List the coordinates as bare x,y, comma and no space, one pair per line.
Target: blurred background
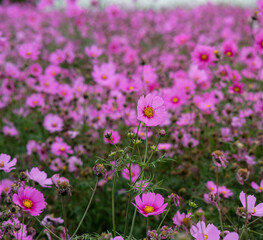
166,3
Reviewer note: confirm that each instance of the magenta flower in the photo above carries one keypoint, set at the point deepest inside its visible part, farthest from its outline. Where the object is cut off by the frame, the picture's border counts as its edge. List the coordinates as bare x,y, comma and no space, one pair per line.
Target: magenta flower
181,219
10,131
35,100
231,236
225,192
211,186
259,188
93,51
259,42
117,238
53,123
135,172
151,110
200,231
104,75
5,164
60,148
5,186
150,204
236,88
30,200
203,56
251,208
40,177
29,51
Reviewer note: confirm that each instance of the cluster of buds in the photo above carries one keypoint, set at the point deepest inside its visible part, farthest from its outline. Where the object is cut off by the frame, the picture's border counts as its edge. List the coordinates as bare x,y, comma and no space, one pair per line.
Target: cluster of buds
62,184
99,169
219,159
242,175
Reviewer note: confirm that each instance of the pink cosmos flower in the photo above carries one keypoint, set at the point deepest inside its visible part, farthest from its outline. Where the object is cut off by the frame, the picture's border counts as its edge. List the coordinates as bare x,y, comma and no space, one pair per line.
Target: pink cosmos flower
186,119
141,185
40,177
200,231
29,51
212,187
203,56
35,100
173,98
30,200
104,75
56,179
10,131
57,57
135,172
259,42
251,208
114,136
53,123
260,5
60,148
151,110
225,191
256,187
181,218
231,236
150,204
93,51
74,163
230,48
19,234
5,186
5,164
35,69
236,88
181,39
117,238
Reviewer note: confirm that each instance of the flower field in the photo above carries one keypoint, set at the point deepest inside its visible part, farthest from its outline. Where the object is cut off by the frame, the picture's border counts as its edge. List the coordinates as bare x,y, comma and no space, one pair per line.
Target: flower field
128,124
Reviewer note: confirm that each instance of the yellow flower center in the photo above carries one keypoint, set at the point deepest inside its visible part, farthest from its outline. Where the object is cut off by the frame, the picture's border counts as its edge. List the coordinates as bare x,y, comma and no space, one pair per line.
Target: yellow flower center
224,192
260,188
211,188
54,124
204,57
2,164
132,174
64,93
216,52
54,73
236,89
205,235
27,203
262,43
228,53
35,102
131,88
186,221
47,84
6,189
64,168
175,100
104,77
28,53
148,112
148,209
208,105
62,149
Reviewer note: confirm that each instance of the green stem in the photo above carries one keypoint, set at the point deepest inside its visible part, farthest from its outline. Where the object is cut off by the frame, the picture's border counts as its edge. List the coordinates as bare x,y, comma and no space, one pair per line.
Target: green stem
147,226
146,148
87,208
133,221
246,223
256,232
48,229
164,218
23,220
113,205
218,203
64,216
